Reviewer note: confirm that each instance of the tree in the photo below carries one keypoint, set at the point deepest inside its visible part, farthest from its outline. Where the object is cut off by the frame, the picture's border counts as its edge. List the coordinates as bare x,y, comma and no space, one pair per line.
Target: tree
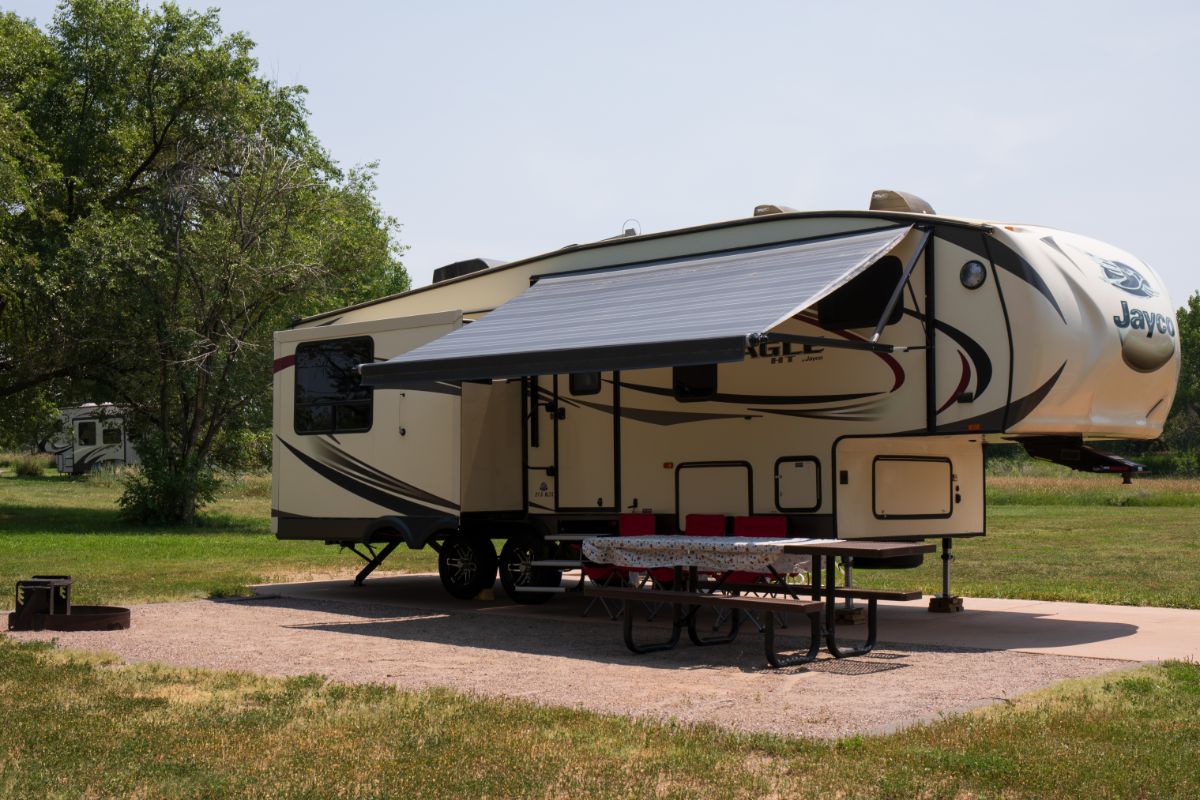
1182,430
184,211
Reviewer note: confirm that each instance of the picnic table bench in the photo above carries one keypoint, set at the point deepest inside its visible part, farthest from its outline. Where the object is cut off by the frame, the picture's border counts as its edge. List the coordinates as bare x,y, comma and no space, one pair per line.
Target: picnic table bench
723,556
692,600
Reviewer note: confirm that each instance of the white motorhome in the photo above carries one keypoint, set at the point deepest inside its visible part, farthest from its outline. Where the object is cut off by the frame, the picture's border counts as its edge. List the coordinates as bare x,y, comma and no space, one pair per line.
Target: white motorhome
843,369
91,436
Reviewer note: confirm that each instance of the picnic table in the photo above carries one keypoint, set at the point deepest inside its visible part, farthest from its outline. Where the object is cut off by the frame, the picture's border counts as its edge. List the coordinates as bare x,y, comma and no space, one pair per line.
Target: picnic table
723,557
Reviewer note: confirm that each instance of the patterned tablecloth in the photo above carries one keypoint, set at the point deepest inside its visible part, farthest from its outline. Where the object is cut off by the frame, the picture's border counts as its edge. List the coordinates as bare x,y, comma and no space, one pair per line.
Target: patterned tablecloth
707,553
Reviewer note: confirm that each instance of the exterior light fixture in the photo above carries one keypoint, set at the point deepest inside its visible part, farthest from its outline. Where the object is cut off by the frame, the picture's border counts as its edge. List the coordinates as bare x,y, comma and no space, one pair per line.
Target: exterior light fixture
973,274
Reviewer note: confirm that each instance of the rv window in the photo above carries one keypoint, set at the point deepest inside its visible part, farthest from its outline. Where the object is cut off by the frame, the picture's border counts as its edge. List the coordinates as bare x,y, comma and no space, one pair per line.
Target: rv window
698,382
585,383
87,433
111,435
861,302
329,398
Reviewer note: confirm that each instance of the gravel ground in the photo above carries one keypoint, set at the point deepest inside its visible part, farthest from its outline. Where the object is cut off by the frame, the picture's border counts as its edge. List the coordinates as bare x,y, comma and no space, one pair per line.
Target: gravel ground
556,657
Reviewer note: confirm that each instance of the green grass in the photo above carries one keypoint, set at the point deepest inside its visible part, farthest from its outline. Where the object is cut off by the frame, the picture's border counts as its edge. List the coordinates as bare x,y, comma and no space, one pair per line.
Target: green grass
1081,538
58,525
87,726
1092,490
1100,554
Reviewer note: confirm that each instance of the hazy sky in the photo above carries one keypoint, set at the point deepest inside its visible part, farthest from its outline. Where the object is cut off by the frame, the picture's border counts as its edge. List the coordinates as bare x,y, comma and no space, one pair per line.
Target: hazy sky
508,129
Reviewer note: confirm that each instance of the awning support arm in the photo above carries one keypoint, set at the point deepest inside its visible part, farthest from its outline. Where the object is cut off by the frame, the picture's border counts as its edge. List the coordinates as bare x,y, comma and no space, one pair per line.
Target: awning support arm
822,341
899,290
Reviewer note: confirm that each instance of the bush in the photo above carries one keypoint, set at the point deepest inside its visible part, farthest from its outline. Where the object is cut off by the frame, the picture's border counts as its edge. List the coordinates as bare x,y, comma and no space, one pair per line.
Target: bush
31,465
244,449
1177,463
161,492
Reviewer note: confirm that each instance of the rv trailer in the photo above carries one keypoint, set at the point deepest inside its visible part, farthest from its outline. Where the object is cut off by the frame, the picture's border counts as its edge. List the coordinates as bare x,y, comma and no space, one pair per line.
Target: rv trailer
91,436
841,369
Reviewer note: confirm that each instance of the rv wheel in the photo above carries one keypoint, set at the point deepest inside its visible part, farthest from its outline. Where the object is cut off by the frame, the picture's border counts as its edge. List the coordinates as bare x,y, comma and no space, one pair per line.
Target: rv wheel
517,570
467,565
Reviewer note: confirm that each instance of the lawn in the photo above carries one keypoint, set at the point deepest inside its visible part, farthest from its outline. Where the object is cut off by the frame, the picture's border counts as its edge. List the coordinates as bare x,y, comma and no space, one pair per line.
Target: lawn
1094,554
87,726
1084,538
57,525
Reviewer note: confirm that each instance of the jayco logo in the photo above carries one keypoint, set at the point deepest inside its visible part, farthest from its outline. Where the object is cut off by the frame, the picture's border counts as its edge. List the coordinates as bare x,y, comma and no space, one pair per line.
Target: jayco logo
1135,319
1124,277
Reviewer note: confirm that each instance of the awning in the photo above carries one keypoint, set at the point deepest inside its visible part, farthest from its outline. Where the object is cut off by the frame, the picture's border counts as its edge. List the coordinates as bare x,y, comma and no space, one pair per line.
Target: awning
693,310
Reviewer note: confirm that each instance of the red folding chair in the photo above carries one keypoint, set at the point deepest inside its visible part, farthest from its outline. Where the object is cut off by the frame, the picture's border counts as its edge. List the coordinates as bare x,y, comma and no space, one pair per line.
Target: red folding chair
772,527
627,525
764,527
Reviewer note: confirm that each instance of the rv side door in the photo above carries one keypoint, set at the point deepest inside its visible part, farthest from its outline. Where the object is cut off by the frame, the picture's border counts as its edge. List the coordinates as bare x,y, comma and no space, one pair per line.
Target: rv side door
585,441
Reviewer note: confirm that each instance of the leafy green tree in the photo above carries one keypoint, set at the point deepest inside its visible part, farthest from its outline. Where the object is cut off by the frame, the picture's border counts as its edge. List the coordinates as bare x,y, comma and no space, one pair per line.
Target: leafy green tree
1182,431
177,209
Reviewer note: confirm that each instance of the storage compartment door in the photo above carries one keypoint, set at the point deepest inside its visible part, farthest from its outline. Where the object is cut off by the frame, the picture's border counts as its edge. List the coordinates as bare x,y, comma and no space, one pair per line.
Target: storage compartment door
717,487
914,486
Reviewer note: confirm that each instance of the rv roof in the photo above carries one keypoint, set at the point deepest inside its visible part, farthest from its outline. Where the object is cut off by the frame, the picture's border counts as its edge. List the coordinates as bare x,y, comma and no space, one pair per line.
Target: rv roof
896,216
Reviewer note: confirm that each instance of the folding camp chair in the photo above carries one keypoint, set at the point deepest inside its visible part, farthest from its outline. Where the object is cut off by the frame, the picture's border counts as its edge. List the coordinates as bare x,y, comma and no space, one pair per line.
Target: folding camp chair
766,527
627,525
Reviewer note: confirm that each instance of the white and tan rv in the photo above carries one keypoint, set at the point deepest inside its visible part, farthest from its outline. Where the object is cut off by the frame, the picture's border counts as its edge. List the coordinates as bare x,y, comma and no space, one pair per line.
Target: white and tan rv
91,437
843,369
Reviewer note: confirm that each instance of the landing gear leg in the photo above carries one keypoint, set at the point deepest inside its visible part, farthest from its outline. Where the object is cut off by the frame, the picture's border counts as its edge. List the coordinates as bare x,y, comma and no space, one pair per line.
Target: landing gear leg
373,561
945,602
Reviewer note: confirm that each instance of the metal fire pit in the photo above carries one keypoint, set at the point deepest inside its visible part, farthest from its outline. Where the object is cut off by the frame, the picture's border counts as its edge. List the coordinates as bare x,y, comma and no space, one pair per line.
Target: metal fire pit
44,603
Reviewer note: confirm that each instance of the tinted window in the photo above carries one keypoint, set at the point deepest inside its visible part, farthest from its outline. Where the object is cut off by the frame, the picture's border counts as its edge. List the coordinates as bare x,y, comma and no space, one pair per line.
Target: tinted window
87,433
698,382
329,397
111,435
860,303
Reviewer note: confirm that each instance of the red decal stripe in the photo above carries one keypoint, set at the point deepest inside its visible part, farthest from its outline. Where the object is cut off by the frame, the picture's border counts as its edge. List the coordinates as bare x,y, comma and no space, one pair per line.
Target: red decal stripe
962,383
284,363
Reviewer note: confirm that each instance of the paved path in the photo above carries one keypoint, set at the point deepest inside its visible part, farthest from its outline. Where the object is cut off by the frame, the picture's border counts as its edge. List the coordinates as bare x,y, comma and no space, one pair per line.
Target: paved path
1039,626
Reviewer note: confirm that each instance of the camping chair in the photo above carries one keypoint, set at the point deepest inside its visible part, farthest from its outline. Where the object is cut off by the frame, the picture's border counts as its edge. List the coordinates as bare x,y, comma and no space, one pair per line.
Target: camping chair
766,527
707,525
627,525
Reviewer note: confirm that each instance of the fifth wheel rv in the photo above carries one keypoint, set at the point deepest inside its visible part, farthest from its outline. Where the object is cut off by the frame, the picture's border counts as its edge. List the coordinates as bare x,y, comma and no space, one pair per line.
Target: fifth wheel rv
92,436
840,369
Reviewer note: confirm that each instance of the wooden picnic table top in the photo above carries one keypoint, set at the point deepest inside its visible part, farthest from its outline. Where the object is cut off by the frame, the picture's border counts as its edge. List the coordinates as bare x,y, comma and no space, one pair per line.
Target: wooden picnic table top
858,547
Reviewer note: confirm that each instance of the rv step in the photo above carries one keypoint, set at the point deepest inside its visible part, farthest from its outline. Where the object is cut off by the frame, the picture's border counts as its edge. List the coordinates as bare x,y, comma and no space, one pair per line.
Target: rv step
557,563
542,589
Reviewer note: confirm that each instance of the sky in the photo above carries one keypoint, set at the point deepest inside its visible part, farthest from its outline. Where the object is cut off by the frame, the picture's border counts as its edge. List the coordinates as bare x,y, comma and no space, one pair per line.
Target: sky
504,130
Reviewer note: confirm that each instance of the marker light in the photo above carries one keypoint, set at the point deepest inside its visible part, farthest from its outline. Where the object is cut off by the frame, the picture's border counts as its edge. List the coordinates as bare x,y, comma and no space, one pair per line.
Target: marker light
973,274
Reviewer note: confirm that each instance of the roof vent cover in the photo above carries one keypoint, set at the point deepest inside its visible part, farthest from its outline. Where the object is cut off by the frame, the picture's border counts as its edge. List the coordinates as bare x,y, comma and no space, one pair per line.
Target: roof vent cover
892,200
460,268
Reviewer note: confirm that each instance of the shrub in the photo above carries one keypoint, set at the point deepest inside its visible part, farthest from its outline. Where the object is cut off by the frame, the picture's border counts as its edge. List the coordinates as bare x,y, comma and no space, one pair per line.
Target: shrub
160,492
31,465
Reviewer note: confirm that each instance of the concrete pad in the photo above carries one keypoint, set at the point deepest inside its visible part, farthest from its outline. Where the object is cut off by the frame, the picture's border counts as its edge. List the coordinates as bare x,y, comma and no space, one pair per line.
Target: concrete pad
1131,633
1127,633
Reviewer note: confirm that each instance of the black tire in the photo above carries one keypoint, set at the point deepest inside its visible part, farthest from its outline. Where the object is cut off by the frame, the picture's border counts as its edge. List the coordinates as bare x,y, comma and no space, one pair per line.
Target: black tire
515,571
467,565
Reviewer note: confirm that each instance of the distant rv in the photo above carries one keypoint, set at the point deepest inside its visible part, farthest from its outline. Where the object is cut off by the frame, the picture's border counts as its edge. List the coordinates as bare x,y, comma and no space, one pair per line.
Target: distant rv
92,436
